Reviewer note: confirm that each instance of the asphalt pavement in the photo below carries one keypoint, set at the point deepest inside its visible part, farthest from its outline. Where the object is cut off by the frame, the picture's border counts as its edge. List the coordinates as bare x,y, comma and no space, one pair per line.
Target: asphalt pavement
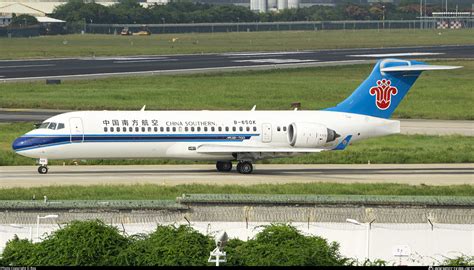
94,67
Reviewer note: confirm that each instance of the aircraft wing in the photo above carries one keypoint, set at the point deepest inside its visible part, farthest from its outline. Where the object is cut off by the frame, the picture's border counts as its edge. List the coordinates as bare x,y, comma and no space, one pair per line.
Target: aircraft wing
218,149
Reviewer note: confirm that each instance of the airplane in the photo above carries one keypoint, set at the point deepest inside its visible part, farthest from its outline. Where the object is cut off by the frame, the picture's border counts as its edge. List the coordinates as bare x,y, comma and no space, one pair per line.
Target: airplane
227,136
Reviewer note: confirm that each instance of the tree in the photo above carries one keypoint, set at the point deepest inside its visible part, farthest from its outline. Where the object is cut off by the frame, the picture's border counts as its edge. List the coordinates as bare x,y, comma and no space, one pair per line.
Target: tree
23,20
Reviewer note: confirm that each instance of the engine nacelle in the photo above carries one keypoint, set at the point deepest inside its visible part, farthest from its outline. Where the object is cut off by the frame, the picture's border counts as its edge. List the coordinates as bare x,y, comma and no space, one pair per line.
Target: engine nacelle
310,135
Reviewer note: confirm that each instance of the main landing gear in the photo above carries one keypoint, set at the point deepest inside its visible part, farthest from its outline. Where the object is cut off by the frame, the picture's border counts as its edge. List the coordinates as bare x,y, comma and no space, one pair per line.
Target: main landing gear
243,167
43,168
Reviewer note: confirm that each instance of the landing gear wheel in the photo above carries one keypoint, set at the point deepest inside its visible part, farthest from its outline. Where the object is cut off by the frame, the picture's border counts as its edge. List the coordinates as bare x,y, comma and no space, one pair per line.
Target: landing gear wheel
43,169
245,167
224,166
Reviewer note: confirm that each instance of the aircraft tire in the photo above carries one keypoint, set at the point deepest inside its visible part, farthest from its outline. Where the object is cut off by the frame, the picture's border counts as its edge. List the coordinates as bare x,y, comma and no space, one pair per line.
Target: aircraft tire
245,167
43,169
224,166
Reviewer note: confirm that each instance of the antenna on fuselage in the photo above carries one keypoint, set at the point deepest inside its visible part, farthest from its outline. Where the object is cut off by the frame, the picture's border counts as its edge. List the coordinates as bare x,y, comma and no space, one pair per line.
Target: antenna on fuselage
253,108
143,108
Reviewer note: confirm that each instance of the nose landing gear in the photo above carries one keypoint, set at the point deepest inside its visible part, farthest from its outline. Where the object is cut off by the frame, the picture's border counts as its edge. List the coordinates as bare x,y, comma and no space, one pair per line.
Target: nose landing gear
43,168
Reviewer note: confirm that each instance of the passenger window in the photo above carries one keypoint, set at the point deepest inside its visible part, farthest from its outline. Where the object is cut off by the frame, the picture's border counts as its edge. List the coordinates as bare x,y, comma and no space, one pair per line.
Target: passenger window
205,129
254,128
248,129
124,129
186,129
149,129
198,129
241,129
234,129
111,129
136,129
180,129
226,128
60,126
162,129
192,129
105,129
130,129
118,129
155,129
278,128
174,129
143,129
284,128
213,129
219,128
52,126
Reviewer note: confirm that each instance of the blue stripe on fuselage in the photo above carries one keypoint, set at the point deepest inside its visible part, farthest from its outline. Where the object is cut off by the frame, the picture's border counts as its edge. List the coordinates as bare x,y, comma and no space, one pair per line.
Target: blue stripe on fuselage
29,142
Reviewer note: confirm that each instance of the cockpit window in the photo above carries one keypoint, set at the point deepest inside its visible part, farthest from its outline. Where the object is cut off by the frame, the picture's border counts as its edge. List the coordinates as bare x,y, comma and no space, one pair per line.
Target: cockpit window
60,126
52,126
44,125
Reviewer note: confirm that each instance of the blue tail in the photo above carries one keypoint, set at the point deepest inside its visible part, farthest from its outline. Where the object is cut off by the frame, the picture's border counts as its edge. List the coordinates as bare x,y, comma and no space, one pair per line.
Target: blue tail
380,94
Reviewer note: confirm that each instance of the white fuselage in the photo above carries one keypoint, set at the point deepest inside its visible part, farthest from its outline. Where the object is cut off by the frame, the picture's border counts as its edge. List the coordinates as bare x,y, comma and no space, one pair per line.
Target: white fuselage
178,134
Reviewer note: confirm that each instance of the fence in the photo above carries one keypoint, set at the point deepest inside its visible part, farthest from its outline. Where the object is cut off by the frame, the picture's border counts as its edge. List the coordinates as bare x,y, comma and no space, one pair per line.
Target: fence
269,26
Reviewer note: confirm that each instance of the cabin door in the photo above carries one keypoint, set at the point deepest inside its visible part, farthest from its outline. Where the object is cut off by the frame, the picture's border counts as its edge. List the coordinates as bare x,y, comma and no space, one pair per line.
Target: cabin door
77,130
266,132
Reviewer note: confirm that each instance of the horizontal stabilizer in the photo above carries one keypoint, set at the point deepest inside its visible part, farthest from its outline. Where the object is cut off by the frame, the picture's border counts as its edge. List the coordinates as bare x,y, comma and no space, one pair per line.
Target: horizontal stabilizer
219,149
417,68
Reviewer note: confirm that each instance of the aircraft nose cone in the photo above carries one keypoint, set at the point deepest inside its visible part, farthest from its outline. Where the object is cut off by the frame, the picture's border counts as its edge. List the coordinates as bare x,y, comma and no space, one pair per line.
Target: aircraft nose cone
19,143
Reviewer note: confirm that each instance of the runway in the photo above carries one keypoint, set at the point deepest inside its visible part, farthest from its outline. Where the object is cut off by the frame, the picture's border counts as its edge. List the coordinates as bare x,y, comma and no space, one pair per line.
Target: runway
408,126
68,68
169,175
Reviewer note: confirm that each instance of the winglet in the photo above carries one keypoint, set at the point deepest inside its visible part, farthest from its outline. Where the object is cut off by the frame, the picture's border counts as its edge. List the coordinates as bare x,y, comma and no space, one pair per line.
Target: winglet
342,145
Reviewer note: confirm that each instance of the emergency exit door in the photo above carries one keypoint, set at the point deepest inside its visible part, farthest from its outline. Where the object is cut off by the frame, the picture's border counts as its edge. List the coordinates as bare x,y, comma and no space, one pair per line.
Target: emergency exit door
77,130
266,133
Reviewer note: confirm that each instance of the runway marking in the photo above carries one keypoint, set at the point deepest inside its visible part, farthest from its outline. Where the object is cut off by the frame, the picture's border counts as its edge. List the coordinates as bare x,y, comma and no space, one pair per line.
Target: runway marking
262,53
144,61
274,61
125,58
395,54
25,66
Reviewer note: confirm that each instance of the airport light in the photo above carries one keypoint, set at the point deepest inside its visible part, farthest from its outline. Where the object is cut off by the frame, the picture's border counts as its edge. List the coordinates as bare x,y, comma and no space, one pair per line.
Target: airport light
23,227
368,227
38,222
219,253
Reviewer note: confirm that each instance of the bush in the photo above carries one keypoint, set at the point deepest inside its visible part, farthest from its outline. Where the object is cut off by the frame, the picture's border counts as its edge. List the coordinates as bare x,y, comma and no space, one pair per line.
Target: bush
168,245
462,260
18,253
284,245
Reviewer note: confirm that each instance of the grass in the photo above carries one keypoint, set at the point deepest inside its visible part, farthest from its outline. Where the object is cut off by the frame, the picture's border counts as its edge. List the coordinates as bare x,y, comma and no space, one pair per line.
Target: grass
391,149
106,45
436,95
158,192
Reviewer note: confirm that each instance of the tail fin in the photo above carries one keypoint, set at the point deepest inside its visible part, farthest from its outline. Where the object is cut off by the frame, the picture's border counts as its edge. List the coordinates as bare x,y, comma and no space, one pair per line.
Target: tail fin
389,82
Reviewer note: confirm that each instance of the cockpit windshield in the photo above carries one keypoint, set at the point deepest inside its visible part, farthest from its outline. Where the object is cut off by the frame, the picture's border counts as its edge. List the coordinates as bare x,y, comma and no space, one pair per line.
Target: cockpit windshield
52,125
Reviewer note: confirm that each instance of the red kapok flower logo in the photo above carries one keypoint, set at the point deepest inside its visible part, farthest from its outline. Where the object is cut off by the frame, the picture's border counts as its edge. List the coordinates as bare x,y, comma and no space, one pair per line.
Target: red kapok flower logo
383,93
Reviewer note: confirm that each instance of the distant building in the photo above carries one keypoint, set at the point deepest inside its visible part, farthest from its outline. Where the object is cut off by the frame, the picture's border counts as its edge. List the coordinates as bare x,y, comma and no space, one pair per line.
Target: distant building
7,9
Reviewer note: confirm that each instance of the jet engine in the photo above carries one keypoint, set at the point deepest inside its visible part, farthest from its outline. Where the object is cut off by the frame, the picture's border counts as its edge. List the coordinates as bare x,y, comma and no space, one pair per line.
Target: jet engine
310,135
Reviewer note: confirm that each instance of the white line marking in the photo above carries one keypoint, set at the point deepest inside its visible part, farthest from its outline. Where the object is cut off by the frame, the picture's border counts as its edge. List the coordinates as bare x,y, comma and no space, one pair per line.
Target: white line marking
273,61
126,58
261,53
144,61
394,54
25,66
153,72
